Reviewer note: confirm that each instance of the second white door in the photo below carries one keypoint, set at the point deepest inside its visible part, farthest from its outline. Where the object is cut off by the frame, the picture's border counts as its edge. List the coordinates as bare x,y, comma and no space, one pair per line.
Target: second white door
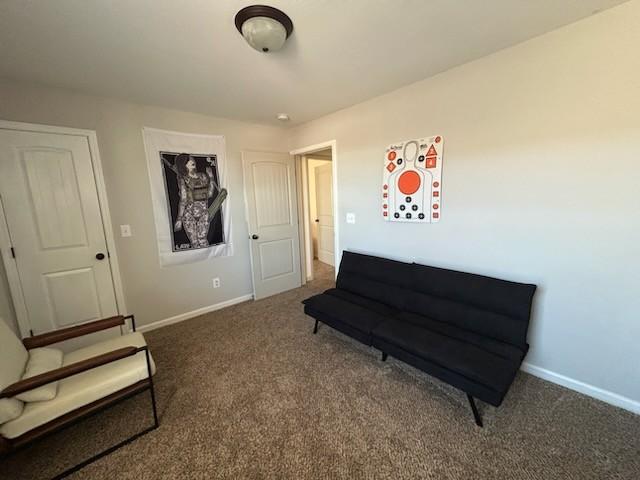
270,193
324,209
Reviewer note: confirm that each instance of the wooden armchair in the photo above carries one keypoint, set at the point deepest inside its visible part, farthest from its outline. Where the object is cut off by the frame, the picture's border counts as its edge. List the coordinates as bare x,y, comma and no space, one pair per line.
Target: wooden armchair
90,380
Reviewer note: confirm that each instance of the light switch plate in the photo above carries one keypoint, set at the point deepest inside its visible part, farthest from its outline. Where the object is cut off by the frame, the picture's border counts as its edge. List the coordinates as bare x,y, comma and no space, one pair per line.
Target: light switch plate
351,218
125,230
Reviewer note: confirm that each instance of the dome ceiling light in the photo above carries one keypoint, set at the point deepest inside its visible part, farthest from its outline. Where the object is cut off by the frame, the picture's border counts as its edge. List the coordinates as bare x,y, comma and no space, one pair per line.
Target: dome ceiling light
264,28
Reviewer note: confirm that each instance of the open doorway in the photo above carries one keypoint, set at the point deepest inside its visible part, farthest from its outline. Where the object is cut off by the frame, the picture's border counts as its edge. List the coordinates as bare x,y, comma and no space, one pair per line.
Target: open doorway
320,246
318,232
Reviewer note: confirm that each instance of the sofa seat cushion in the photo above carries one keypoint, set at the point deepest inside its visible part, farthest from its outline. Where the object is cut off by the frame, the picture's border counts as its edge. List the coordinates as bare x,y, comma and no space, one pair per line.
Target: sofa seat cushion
86,387
505,350
41,360
466,359
357,316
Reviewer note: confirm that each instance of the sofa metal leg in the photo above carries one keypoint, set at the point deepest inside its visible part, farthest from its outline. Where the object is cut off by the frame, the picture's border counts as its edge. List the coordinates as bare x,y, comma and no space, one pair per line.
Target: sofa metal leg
384,356
476,415
315,328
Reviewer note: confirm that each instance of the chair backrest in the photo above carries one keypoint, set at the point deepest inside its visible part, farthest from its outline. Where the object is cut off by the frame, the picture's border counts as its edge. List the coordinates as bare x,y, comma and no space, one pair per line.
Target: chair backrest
380,279
13,358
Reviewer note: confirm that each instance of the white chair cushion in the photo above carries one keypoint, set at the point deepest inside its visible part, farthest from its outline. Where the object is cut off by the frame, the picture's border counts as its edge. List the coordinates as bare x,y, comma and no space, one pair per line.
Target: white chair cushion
10,408
13,358
86,387
41,360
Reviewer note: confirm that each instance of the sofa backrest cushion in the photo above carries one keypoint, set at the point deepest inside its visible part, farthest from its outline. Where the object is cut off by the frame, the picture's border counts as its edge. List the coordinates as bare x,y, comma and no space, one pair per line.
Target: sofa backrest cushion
496,308
13,358
380,279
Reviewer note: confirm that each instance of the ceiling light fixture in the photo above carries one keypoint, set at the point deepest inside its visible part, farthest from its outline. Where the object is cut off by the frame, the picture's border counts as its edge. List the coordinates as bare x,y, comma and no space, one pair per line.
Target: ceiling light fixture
283,117
264,28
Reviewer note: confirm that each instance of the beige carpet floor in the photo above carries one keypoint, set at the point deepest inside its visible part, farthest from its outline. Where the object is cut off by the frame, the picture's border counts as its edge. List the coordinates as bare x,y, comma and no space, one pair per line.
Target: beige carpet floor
249,392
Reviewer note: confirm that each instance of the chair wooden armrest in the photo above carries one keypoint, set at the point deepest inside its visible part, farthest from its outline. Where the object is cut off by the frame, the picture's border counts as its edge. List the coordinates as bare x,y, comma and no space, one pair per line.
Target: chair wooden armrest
67,371
72,332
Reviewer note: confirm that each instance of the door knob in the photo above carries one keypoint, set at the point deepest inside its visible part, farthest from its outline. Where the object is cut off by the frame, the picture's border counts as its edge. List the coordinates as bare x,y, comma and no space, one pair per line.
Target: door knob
317,220
255,237
100,256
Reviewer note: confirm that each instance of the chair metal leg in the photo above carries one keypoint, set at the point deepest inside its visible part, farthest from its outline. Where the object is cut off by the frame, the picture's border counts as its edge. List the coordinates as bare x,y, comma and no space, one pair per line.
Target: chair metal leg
113,448
384,356
315,328
109,450
104,453
132,317
152,390
476,415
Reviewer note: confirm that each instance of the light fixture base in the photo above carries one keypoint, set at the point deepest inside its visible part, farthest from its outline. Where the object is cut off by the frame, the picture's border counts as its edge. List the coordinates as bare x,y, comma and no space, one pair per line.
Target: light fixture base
264,28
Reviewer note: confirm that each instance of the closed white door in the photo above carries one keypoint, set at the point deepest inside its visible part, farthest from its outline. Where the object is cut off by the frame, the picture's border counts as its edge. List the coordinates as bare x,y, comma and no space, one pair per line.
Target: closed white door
53,215
270,193
324,208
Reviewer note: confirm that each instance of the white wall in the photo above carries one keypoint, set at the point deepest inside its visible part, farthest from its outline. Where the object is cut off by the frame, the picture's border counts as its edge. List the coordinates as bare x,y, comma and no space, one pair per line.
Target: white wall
541,184
152,293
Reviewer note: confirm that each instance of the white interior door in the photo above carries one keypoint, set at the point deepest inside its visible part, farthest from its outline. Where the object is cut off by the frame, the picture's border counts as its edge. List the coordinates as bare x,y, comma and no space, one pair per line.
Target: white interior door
324,208
54,220
270,193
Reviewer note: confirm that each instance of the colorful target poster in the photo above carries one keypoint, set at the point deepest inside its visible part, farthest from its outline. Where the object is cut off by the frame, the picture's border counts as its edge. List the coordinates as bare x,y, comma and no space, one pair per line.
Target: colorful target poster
412,181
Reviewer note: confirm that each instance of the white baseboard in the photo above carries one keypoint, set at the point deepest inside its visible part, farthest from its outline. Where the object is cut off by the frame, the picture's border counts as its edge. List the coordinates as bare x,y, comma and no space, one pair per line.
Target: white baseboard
595,392
194,313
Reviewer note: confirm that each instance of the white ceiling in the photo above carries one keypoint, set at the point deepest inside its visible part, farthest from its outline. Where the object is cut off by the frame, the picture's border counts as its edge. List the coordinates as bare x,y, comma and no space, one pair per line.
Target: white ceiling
187,54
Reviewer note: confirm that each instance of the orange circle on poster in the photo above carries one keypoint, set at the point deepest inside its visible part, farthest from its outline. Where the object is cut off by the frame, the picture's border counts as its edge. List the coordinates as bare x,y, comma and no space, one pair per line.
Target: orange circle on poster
438,139
391,156
409,182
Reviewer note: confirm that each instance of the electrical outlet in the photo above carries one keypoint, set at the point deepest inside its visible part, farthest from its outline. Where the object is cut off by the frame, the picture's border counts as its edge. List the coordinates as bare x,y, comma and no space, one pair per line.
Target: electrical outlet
125,230
351,218
216,282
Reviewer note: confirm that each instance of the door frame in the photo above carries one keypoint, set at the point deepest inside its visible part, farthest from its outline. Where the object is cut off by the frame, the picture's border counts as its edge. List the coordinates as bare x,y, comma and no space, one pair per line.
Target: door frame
301,164
10,264
308,219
